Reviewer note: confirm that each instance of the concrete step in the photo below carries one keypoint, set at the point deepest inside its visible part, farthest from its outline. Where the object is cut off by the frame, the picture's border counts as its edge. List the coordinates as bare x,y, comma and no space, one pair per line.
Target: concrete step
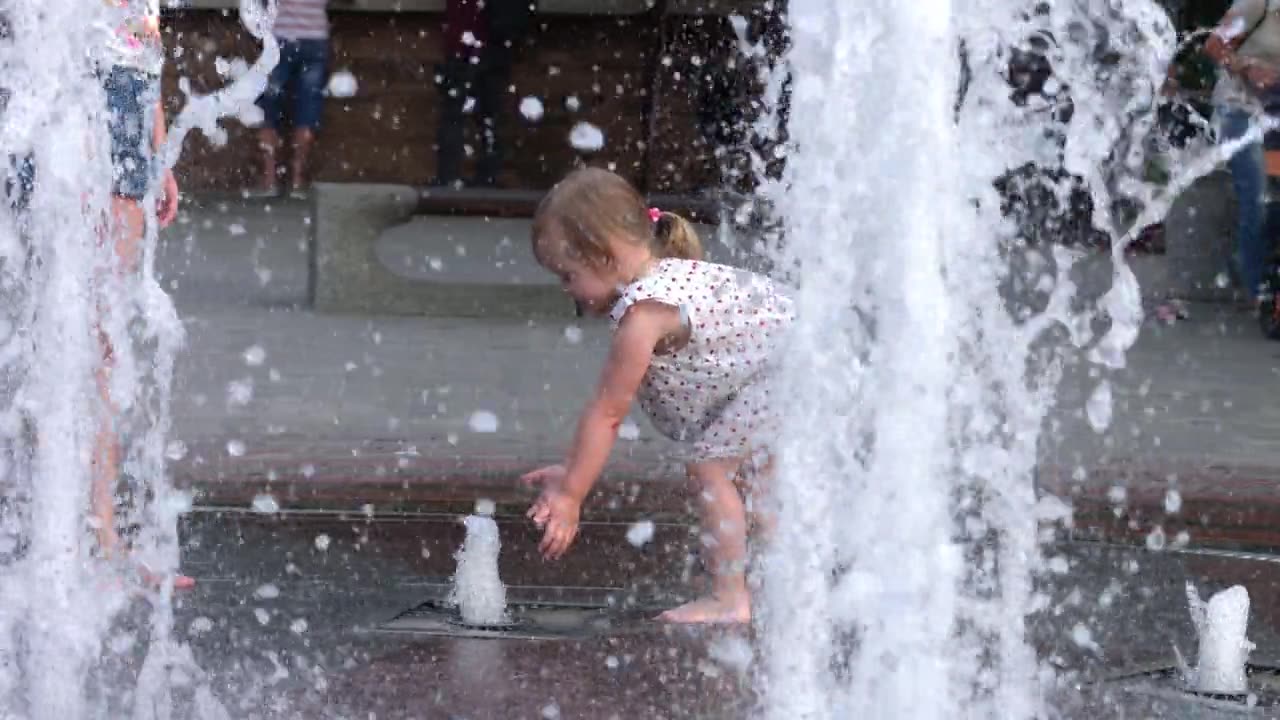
372,252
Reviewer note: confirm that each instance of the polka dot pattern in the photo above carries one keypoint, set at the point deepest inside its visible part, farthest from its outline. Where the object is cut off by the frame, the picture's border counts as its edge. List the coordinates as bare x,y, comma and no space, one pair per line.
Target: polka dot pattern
712,395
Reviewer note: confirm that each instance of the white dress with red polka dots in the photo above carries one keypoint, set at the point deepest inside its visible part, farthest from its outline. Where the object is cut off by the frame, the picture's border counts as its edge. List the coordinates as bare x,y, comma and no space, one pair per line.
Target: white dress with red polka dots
712,396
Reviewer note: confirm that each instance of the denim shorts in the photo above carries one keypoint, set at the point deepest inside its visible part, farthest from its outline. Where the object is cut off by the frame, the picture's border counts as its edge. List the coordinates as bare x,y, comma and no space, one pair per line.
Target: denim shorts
131,99
19,181
299,77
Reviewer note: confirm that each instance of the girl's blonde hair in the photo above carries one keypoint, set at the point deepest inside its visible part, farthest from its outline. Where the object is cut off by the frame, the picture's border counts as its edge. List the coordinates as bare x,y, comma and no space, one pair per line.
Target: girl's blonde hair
592,205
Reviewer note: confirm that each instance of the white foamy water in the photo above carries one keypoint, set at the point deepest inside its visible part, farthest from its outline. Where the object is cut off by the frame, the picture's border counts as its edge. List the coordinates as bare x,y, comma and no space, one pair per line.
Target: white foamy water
1221,626
477,588
929,341
62,284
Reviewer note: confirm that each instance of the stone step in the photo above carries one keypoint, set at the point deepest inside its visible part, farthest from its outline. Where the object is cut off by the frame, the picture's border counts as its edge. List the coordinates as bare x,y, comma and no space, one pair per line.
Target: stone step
460,265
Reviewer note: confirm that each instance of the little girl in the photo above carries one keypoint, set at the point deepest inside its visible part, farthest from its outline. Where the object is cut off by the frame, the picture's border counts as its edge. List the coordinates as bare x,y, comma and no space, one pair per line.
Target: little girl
693,341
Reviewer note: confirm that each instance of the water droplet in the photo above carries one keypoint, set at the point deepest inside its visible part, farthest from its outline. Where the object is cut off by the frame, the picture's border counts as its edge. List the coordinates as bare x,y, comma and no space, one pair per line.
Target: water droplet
342,84
640,533
263,616
483,421
628,430
239,392
267,592
254,355
235,448
266,504
322,542
586,137
531,108
1083,637
573,334
1156,539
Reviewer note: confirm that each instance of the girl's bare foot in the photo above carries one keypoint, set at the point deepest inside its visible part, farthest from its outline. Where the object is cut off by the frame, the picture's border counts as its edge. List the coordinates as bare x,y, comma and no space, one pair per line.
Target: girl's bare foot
712,610
109,544
153,581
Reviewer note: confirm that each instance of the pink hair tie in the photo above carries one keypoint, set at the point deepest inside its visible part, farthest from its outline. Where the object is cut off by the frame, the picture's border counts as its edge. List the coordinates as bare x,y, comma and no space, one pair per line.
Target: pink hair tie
654,214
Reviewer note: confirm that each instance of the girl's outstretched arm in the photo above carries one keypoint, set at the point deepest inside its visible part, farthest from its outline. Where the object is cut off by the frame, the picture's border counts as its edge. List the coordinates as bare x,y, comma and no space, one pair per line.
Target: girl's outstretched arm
641,329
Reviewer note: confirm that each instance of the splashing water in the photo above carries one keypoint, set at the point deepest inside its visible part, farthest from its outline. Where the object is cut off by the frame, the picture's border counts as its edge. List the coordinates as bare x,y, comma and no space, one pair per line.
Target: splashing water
903,566
63,285
477,588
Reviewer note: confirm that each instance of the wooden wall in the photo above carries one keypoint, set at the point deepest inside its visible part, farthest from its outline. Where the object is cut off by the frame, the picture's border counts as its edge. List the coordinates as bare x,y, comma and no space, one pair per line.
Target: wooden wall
387,132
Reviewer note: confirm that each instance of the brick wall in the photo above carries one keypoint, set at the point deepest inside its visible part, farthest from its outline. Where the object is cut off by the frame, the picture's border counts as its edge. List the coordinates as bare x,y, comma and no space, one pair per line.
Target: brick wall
386,133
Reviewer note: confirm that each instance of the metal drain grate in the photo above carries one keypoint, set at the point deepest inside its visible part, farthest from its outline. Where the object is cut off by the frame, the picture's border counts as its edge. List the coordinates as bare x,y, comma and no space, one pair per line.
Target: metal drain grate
1165,684
527,621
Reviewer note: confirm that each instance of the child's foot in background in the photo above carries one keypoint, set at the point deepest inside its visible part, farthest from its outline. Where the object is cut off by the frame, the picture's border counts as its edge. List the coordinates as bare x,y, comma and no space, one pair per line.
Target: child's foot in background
1172,311
712,610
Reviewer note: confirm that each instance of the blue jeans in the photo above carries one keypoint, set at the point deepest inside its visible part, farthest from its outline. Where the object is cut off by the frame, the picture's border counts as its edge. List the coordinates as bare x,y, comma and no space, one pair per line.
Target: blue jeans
1249,179
300,76
131,102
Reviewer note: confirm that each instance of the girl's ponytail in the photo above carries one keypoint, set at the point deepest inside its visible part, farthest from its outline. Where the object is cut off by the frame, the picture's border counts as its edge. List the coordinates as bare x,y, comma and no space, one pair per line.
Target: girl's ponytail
676,237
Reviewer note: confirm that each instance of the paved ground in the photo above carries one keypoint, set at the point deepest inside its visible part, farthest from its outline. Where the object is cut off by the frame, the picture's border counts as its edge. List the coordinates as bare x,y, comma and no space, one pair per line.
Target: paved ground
284,627
398,397
344,410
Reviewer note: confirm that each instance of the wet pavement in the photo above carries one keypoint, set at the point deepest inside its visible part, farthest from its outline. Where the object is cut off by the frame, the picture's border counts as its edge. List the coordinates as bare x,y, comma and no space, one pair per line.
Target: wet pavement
378,433
283,626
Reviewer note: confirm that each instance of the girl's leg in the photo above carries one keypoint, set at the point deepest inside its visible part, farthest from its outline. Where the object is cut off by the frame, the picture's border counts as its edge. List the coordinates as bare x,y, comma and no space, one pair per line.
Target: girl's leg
724,527
127,226
756,476
126,230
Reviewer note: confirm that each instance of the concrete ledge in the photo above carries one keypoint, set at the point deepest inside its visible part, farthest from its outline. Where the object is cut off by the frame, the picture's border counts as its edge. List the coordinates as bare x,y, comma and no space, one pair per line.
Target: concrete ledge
481,265
347,276
524,203
544,7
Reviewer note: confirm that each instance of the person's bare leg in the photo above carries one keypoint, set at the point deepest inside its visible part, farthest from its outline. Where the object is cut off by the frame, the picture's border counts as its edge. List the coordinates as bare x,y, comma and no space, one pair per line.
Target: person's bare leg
269,147
127,226
106,461
755,479
724,528
303,140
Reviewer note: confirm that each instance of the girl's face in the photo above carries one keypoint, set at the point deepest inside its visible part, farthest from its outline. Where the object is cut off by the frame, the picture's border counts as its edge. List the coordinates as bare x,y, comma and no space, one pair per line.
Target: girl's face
592,288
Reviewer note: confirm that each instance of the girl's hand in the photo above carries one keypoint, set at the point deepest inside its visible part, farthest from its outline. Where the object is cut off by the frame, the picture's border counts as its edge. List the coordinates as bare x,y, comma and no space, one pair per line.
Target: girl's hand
549,475
555,511
167,209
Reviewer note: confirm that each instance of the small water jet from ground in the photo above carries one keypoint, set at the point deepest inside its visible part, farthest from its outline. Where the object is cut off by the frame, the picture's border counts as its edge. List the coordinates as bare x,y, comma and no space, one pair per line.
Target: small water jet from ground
478,591
1221,625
